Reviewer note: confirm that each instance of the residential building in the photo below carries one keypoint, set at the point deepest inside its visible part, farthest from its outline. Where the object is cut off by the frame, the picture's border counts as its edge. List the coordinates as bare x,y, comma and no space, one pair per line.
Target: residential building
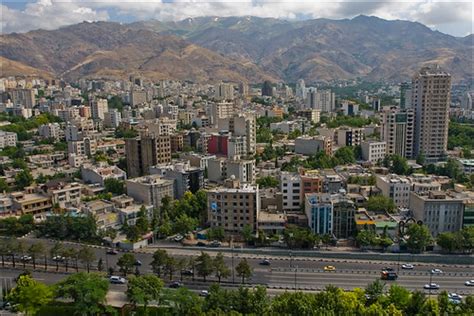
176,142
112,118
85,147
146,151
373,151
220,169
349,108
271,223
318,209
98,108
438,211
244,125
150,190
395,187
64,194
290,186
99,173
397,130
23,97
30,202
219,111
431,97
50,131
7,139
343,211
289,126
186,178
405,95
466,165
311,115
349,136
233,207
310,145
104,213
137,97
311,182
224,91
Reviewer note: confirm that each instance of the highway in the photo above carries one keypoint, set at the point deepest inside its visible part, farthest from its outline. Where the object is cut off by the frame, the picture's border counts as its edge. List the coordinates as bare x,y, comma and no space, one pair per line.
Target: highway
286,273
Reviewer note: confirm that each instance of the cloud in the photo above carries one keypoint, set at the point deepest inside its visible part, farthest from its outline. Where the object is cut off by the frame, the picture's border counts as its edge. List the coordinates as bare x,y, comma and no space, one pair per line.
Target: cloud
452,16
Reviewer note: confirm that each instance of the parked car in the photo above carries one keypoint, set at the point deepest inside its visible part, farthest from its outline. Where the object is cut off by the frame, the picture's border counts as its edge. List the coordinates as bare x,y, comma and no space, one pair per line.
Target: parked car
187,272
201,244
117,280
265,262
204,293
176,284
25,258
469,283
436,271
138,262
112,252
431,286
408,266
215,243
59,258
329,268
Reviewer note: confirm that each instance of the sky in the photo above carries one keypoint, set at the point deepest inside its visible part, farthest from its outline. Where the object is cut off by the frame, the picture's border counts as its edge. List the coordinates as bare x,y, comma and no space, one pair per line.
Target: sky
451,17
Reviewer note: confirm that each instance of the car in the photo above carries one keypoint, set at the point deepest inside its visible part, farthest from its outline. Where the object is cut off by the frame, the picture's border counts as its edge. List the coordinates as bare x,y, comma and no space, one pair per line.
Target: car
187,272
117,280
215,243
204,293
176,284
408,266
388,269
436,271
178,238
265,262
25,258
329,268
455,296
138,262
201,244
59,258
469,283
431,286
112,252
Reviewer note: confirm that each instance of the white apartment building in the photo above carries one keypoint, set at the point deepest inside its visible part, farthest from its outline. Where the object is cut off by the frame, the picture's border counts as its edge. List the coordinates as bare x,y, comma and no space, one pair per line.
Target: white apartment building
85,147
112,118
98,108
100,173
349,136
373,151
150,189
437,210
224,91
217,111
290,186
65,194
310,145
50,131
7,139
220,169
395,187
288,126
397,130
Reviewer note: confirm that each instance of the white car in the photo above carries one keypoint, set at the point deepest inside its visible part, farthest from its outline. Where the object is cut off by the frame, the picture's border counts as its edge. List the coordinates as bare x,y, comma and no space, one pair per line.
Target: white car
25,258
454,296
117,280
431,286
408,266
59,258
178,238
436,271
204,293
469,283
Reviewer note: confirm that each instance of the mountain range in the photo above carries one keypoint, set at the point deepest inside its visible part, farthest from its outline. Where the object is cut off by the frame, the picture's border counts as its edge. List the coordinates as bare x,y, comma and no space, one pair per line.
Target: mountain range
251,49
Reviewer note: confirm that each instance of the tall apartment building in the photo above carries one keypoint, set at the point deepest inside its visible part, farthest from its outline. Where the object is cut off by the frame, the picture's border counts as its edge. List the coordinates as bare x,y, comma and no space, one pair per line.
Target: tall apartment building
150,190
318,209
431,97
309,145
85,147
395,187
220,169
233,206
311,182
398,128
405,95
224,91
137,97
186,178
437,210
343,211
146,151
242,125
290,186
24,97
98,108
373,151
301,89
349,136
50,131
7,139
220,110
112,118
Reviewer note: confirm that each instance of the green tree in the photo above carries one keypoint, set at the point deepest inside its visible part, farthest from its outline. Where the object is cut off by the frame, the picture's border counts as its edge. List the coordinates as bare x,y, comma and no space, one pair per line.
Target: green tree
36,250
55,251
87,290
29,295
244,270
170,266
4,186
220,267
143,289
374,290
23,179
185,302
160,258
86,256
399,296
365,238
268,182
204,265
143,224
447,241
114,186
247,233
185,224
216,233
345,155
380,203
418,237
126,263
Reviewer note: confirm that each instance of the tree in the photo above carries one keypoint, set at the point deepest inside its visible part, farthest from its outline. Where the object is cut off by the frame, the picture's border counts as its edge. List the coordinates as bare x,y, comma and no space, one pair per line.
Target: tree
185,224
374,290
365,238
36,250
185,302
87,256
418,237
114,186
126,263
23,179
143,223
399,296
447,241
268,182
160,257
397,164
143,289
4,186
87,290
216,233
204,265
220,267
68,254
247,233
243,270
170,266
380,203
29,295
345,155
421,159
100,265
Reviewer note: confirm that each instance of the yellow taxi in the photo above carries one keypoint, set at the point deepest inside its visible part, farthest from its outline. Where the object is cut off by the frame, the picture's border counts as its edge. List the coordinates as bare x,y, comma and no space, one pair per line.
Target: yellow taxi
329,268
